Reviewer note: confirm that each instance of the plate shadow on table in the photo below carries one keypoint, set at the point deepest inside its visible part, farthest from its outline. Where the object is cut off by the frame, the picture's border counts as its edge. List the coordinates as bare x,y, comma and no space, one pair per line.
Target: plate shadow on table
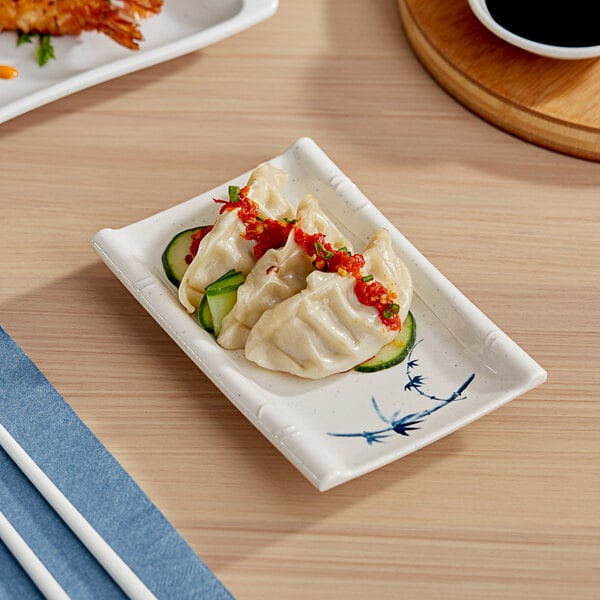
82,350
89,99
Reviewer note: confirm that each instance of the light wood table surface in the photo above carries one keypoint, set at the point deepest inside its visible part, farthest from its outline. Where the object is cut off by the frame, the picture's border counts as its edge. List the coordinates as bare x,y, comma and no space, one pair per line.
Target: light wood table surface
509,506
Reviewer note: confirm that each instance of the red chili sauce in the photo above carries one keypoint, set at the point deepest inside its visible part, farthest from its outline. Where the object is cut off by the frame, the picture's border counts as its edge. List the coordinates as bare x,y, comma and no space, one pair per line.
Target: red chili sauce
342,262
270,233
267,233
197,237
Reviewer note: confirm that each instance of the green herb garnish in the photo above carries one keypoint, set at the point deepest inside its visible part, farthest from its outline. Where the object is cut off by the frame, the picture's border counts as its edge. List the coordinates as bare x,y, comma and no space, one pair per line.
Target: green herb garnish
23,38
367,278
45,51
391,310
322,252
234,193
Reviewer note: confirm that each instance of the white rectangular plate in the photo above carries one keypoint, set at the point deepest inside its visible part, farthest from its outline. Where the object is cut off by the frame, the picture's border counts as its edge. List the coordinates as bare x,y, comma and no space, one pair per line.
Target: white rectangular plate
333,430
91,58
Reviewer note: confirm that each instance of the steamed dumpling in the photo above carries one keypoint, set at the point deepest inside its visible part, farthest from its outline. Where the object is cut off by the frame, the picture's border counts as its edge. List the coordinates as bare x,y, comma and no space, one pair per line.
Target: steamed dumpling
266,183
387,267
324,329
278,275
225,248
312,219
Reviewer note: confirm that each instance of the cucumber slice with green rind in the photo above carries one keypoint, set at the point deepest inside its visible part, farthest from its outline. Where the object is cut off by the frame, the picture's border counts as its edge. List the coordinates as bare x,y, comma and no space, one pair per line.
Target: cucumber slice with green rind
220,305
221,296
230,280
204,316
394,352
173,258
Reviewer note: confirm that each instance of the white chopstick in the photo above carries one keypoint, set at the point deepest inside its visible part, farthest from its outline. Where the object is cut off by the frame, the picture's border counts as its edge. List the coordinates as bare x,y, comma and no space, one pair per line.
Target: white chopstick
121,573
32,565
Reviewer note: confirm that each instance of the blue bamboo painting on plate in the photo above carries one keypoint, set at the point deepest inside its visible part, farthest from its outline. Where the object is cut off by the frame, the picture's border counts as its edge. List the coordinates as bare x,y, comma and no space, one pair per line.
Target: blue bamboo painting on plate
403,424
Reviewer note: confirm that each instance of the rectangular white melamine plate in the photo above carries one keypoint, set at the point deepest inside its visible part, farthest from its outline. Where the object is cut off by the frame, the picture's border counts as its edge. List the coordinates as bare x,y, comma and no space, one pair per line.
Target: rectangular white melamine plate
462,366
91,58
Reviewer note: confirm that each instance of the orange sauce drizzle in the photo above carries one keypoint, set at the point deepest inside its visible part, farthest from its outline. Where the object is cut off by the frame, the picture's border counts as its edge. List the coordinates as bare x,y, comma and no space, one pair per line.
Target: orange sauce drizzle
8,72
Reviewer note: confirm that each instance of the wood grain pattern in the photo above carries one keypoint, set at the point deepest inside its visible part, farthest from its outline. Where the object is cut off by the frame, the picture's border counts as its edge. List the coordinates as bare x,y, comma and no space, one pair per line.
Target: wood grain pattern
549,102
504,509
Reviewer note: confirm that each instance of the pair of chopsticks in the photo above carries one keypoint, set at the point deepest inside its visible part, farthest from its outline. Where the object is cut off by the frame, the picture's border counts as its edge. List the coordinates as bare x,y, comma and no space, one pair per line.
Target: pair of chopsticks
31,564
114,565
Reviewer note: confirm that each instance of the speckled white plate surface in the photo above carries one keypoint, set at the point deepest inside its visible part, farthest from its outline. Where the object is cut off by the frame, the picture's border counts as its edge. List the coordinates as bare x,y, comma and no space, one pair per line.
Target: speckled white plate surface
91,58
333,430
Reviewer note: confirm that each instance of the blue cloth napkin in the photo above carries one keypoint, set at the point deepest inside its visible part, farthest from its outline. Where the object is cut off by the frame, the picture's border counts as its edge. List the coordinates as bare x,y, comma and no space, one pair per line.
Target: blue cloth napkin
46,427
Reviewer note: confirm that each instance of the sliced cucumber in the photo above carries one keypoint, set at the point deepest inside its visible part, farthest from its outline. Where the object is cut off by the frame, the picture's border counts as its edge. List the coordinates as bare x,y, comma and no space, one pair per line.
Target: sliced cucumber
221,296
394,352
230,279
174,257
204,316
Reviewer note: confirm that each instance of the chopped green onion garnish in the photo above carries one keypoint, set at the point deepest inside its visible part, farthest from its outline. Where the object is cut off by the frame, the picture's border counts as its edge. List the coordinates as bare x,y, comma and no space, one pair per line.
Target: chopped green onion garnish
367,278
234,193
322,252
391,310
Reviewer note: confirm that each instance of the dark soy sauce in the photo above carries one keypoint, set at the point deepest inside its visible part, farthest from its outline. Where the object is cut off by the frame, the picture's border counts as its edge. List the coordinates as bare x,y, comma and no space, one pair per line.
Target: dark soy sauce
573,24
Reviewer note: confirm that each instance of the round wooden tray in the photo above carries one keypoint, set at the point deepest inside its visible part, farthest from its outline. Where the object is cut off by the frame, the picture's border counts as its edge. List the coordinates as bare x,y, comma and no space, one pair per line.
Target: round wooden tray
552,103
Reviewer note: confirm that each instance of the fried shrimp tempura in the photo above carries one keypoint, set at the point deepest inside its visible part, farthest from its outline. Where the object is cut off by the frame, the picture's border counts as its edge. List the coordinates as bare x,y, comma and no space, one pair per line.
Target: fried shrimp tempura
118,20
